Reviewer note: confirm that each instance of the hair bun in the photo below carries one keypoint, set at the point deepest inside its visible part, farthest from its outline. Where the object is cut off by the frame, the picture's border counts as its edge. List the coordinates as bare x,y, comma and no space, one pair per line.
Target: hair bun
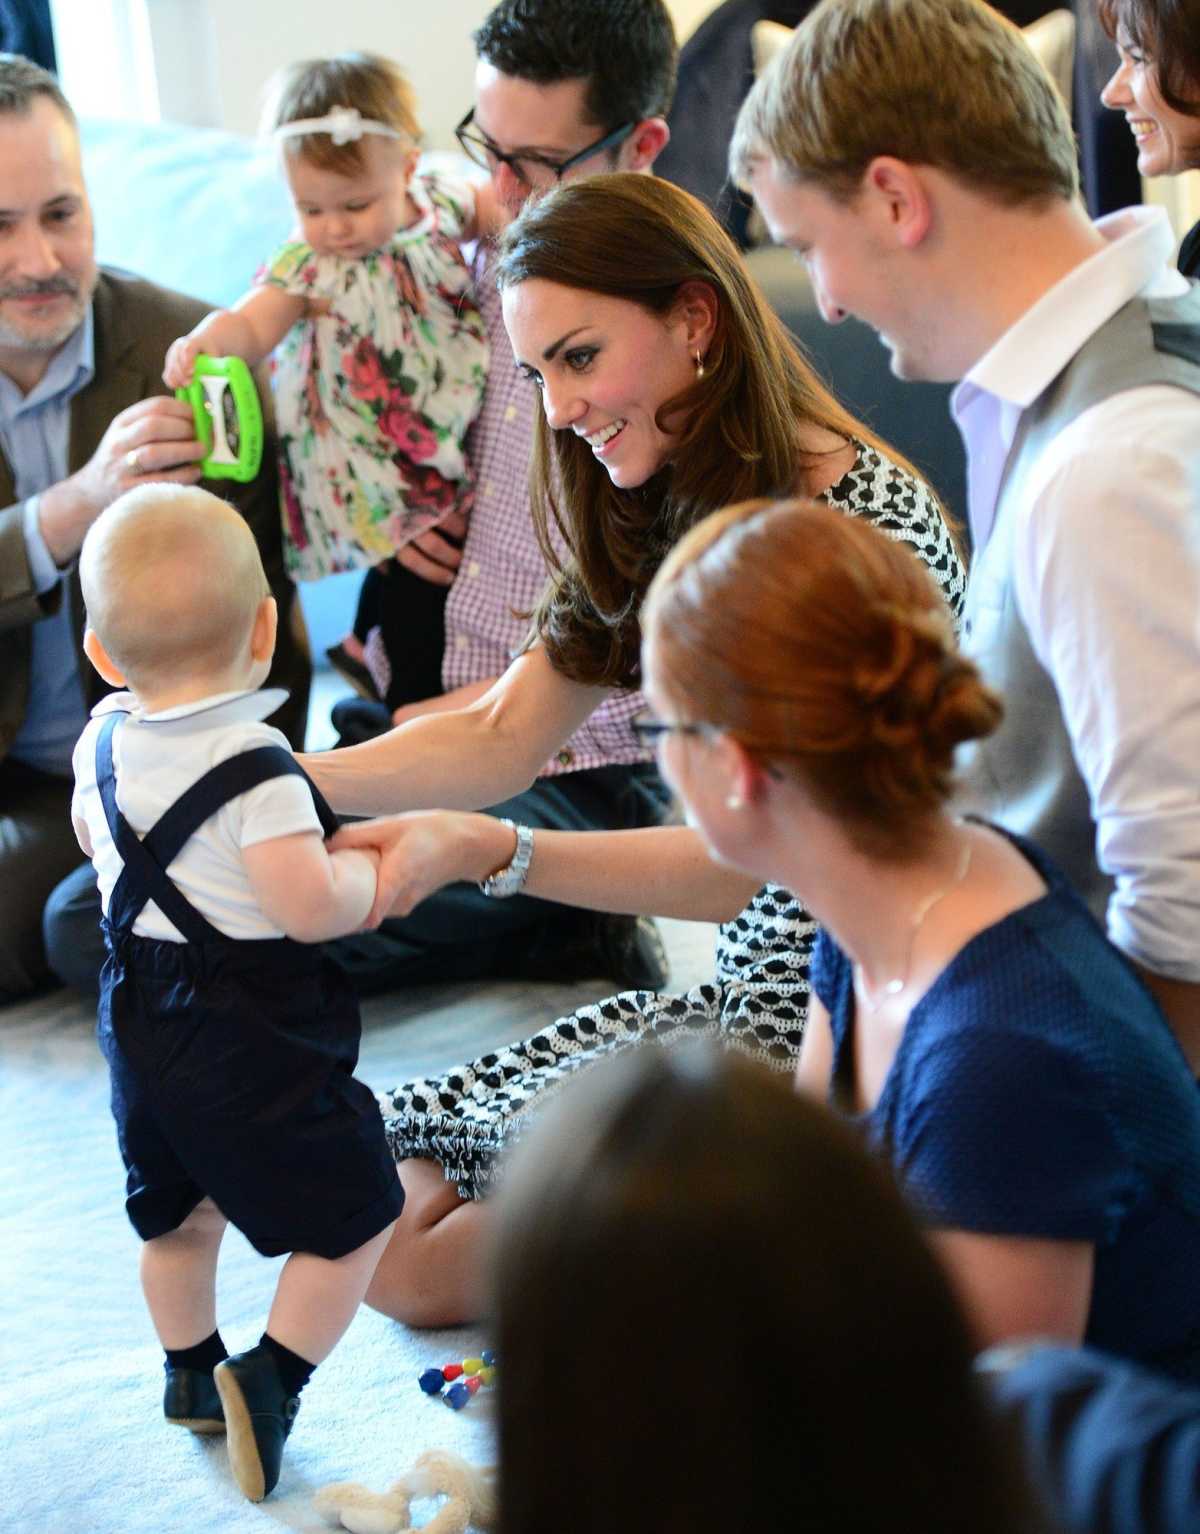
919,694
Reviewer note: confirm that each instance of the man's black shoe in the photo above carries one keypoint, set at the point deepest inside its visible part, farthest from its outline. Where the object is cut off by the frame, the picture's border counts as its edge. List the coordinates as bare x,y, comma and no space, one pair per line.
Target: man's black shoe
625,949
258,1418
190,1400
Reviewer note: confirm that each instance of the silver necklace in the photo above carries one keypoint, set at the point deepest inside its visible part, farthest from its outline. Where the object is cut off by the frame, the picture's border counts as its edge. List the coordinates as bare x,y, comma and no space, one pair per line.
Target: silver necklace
900,982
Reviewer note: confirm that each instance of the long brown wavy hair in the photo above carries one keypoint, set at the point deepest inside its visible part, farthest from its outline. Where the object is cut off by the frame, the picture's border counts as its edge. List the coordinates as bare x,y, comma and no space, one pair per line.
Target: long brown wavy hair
638,238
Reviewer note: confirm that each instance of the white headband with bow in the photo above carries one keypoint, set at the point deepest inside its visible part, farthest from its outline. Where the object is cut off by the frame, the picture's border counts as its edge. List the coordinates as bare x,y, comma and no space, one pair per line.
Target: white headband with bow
344,125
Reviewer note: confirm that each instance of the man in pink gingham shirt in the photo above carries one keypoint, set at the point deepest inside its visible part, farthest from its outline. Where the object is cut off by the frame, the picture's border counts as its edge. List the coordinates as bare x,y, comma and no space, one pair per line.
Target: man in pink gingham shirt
559,91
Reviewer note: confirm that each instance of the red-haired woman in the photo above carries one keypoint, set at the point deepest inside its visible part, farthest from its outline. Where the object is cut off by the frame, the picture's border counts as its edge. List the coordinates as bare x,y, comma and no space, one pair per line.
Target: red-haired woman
967,1010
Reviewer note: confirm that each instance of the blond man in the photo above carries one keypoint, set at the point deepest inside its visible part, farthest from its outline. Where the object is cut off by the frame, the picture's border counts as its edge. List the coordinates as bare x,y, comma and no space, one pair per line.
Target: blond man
918,158
231,1043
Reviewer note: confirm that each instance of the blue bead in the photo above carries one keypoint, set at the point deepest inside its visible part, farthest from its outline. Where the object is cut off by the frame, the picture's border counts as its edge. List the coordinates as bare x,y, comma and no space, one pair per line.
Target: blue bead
431,1381
457,1396
488,1356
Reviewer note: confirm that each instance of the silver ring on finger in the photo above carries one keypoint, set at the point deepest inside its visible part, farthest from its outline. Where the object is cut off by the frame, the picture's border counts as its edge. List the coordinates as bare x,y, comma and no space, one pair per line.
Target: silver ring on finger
132,461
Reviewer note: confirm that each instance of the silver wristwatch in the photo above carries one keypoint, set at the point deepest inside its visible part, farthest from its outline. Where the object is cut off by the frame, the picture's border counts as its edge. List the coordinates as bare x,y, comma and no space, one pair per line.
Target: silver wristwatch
510,880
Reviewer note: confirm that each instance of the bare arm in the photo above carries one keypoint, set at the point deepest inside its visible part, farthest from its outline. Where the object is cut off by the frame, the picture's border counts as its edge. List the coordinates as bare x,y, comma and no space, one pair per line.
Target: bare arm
1019,1286
308,891
489,217
251,330
815,1065
445,702
82,835
1180,1001
655,871
472,756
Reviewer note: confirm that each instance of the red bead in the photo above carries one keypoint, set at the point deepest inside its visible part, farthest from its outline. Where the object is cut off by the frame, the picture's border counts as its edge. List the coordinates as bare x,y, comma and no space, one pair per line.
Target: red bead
452,1371
473,1383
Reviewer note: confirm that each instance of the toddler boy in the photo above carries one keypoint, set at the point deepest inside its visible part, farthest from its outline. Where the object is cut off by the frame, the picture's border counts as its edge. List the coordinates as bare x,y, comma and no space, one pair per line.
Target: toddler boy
231,1042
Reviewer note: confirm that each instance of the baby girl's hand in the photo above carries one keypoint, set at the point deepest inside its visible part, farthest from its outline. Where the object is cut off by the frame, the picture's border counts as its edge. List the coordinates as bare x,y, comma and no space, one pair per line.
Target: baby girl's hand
181,361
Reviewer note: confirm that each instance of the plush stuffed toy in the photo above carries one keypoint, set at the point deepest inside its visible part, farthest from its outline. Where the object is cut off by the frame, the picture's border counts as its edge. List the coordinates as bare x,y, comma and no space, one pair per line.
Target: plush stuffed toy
469,1491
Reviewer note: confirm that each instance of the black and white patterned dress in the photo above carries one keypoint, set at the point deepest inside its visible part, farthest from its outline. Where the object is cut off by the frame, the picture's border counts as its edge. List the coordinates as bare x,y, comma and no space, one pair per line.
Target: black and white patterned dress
758,1001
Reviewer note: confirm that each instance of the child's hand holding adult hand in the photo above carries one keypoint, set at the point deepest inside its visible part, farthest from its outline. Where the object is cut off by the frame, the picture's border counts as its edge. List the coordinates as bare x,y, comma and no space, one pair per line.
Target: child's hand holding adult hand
422,851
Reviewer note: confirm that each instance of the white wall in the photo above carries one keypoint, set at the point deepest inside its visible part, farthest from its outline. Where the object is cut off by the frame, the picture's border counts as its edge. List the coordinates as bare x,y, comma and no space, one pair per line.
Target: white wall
205,61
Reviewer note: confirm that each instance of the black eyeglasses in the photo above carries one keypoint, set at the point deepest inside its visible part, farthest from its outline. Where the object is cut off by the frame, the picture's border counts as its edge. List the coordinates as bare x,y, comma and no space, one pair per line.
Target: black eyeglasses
649,731
531,169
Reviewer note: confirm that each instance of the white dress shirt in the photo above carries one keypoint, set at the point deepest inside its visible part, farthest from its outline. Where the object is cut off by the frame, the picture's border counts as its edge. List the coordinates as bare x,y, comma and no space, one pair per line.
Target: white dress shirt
1107,581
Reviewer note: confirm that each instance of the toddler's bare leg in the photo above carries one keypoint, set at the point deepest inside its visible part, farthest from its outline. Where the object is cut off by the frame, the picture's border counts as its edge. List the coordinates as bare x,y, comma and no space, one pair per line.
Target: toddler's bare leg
179,1277
430,1274
316,1297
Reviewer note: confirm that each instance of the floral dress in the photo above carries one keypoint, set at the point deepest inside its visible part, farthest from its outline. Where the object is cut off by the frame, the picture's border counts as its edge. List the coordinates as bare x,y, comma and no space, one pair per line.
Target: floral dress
758,1000
373,399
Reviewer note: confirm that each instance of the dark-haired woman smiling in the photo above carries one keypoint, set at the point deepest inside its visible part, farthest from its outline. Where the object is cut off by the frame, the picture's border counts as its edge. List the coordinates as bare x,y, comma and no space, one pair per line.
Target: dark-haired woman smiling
1157,86
669,389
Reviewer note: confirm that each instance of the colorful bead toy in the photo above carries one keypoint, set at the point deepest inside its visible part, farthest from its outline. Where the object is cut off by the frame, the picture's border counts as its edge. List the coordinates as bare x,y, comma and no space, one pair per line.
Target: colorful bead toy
457,1396
461,1380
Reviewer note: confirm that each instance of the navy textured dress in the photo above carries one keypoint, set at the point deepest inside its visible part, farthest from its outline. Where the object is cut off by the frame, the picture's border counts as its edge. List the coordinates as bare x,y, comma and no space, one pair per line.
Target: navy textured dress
1039,1091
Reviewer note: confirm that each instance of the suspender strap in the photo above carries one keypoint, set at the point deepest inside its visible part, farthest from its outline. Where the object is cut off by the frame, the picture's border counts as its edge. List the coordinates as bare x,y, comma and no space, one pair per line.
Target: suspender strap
141,879
146,860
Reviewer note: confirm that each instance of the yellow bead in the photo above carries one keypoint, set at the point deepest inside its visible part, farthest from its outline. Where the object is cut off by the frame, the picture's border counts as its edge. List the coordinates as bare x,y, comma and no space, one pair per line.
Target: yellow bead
472,1365
487,1374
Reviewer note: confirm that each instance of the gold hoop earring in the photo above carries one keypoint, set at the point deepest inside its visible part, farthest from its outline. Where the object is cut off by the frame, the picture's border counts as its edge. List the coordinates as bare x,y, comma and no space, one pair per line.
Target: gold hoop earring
699,367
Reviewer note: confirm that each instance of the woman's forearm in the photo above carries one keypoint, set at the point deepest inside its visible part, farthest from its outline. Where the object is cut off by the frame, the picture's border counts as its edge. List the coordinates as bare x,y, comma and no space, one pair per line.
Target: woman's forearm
655,871
463,759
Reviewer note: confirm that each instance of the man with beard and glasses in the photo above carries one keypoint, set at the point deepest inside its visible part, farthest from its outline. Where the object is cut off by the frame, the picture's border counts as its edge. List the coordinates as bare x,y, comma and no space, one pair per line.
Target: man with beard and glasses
82,419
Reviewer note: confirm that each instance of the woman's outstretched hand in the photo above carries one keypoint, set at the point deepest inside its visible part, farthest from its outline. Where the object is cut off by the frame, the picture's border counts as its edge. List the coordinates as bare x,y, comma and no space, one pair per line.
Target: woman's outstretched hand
422,851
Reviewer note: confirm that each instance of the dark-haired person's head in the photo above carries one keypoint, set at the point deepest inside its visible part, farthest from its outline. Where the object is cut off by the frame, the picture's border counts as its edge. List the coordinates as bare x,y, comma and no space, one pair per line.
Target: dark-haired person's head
713,1309
1157,81
853,688
669,388
564,89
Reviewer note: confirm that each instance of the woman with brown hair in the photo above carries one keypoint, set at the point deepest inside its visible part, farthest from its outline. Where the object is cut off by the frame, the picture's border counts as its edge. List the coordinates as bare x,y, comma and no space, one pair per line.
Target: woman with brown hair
966,1009
669,388
1157,86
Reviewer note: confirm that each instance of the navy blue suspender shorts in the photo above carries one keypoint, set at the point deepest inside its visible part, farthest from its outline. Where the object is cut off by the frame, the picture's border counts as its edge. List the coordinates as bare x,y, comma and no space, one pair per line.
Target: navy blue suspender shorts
232,1062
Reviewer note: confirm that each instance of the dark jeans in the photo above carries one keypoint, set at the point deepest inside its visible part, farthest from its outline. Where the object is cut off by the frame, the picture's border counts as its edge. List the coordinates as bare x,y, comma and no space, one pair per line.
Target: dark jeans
457,934
410,614
37,847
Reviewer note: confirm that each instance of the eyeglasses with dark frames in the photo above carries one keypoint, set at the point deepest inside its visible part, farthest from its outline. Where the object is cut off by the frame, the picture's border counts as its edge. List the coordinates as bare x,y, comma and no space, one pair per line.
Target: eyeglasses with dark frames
650,730
529,168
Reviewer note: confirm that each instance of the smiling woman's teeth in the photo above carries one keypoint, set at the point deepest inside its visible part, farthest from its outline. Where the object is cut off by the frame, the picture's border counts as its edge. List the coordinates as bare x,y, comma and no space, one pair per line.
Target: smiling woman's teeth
605,434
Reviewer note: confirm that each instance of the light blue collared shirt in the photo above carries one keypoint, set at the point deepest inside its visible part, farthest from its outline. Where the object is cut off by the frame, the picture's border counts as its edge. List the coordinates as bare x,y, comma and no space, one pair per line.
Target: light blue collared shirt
35,434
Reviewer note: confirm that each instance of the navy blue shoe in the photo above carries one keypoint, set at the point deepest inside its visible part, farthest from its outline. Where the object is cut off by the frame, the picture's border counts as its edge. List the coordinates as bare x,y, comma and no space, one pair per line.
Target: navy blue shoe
258,1418
190,1400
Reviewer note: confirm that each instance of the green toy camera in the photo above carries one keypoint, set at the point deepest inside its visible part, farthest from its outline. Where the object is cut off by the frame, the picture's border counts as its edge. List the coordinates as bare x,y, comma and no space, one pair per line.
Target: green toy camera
228,417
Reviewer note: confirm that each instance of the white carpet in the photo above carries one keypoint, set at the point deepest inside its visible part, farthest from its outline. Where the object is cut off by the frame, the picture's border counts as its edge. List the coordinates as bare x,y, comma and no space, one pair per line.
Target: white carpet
83,1445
